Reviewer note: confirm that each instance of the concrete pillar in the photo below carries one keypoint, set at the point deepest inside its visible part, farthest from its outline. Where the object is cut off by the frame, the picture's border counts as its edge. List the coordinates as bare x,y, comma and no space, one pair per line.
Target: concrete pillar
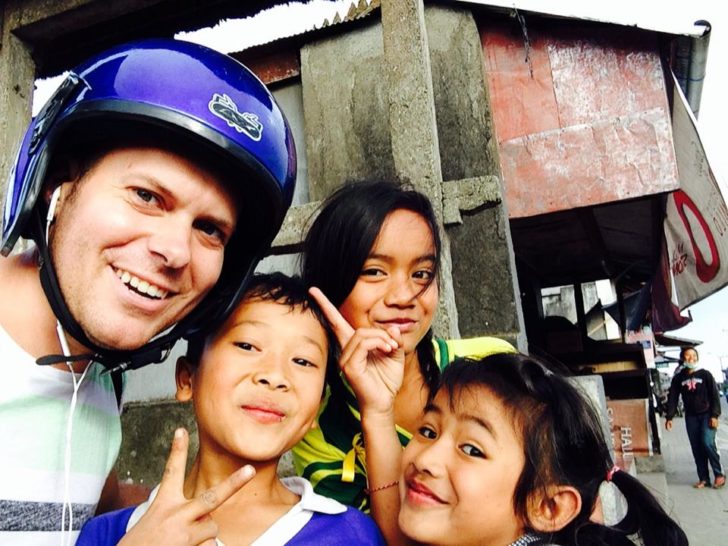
484,271
413,126
17,77
592,386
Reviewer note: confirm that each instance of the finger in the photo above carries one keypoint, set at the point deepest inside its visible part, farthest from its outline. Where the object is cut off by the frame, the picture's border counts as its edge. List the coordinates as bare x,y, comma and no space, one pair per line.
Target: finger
356,358
204,532
364,334
341,327
367,336
212,498
396,335
174,472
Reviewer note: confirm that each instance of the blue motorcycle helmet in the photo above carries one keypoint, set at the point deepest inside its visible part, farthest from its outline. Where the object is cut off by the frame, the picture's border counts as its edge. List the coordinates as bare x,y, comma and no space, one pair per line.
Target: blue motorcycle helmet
182,93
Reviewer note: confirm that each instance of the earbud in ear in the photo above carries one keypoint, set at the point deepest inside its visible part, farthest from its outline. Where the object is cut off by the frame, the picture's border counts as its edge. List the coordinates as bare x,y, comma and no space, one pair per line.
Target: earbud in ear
50,216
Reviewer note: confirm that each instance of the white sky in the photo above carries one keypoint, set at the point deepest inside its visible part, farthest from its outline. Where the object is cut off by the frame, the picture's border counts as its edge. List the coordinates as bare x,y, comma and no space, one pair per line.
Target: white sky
710,317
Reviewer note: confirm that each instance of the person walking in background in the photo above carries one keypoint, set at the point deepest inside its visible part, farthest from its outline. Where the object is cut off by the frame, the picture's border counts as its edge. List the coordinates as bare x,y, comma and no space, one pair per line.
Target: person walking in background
701,401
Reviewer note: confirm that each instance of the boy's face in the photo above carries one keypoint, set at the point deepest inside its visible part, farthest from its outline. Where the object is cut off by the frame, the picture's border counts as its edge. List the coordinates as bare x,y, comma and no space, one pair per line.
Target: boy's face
258,386
138,241
460,472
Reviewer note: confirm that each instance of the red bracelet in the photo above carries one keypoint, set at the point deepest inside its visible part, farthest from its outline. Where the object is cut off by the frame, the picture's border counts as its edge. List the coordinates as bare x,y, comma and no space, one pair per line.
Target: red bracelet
385,486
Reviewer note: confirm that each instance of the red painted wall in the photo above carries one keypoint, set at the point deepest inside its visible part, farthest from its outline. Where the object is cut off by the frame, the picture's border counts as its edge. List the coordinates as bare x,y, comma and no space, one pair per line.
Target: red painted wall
585,120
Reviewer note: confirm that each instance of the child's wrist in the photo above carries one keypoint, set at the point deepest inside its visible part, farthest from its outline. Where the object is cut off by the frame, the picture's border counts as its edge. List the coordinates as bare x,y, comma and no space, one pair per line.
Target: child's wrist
387,485
371,418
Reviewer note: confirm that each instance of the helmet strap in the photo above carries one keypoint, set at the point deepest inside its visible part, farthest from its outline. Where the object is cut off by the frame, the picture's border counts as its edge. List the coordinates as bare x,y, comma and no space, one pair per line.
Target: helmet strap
153,352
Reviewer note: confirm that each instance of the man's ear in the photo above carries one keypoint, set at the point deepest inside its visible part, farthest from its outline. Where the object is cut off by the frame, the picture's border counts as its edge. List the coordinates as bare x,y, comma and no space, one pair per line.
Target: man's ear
61,173
555,510
183,376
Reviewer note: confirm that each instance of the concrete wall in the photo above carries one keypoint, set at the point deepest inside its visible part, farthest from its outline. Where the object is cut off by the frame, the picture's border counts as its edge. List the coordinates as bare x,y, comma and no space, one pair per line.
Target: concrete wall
17,74
349,136
345,110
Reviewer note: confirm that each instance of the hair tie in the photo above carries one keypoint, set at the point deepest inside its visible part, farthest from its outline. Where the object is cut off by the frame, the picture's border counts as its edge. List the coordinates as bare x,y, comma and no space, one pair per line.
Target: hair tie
611,472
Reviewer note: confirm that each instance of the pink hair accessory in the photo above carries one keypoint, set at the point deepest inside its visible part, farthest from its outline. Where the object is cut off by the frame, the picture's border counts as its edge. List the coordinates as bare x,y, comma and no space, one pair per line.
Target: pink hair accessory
611,472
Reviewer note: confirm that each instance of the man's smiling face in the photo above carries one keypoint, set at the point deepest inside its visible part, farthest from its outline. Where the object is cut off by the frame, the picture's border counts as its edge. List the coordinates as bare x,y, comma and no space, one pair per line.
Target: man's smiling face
137,243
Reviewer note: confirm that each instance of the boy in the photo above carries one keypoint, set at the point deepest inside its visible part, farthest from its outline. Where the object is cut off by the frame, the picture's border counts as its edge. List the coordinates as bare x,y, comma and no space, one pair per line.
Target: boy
256,385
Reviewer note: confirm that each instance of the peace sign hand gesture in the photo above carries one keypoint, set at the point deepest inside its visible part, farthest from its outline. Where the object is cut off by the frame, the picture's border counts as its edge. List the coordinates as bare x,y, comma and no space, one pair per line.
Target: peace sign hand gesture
174,520
372,359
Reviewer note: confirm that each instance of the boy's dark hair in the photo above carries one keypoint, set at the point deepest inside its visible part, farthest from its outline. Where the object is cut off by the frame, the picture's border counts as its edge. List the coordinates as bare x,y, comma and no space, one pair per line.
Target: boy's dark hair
342,235
564,444
285,290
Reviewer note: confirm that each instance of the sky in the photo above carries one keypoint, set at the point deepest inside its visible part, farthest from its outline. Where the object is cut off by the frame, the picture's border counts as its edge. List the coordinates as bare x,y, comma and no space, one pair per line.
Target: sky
710,316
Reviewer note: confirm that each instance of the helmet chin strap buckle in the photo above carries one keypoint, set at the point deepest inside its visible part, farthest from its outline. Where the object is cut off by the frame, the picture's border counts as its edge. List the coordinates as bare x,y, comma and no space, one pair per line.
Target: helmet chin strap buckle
153,355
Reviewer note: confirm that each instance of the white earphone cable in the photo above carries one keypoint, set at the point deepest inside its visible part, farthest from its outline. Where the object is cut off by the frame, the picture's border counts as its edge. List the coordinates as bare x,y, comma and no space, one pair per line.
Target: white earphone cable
66,533
67,502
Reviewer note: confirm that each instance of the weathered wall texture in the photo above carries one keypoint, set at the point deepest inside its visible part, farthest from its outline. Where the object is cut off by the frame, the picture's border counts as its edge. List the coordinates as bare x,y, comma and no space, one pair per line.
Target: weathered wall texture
345,110
486,291
580,120
17,75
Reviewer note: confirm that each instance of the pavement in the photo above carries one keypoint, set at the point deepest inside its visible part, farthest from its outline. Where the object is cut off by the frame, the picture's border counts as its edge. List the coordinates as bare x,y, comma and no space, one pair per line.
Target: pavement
702,513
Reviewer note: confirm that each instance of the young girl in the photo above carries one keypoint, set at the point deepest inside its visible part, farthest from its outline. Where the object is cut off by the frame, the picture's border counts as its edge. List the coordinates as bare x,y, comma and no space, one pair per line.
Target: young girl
374,251
510,453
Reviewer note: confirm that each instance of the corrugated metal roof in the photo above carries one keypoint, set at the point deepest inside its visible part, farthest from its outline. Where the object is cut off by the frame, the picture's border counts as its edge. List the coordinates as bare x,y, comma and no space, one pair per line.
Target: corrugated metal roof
235,36
645,15
356,11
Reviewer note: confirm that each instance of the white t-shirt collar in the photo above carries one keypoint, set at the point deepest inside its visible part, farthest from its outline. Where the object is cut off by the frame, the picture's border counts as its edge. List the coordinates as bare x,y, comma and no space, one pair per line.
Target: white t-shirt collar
288,525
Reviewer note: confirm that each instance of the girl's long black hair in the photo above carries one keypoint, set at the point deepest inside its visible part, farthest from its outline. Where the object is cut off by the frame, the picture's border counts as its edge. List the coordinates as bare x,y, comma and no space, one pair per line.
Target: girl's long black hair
564,444
342,235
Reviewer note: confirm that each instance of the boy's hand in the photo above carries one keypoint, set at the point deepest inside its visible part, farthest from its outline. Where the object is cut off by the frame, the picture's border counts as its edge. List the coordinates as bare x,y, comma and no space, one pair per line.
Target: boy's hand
372,359
175,520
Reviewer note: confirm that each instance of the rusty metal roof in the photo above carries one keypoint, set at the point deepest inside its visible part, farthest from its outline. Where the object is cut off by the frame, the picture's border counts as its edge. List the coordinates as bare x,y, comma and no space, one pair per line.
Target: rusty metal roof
617,12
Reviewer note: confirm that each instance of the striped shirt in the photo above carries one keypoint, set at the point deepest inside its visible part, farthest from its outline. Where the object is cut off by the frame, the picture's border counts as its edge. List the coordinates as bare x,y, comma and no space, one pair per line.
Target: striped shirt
35,404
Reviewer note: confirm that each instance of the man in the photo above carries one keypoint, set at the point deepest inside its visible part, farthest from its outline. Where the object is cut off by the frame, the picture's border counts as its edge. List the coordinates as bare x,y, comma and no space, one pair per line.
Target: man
701,402
151,183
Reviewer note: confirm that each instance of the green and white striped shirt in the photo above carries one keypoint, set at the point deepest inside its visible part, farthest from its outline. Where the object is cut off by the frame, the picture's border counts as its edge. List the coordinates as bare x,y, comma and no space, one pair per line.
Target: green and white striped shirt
35,403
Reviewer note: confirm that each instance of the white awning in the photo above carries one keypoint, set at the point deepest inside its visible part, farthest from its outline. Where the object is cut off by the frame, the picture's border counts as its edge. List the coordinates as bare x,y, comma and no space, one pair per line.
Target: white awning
696,223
